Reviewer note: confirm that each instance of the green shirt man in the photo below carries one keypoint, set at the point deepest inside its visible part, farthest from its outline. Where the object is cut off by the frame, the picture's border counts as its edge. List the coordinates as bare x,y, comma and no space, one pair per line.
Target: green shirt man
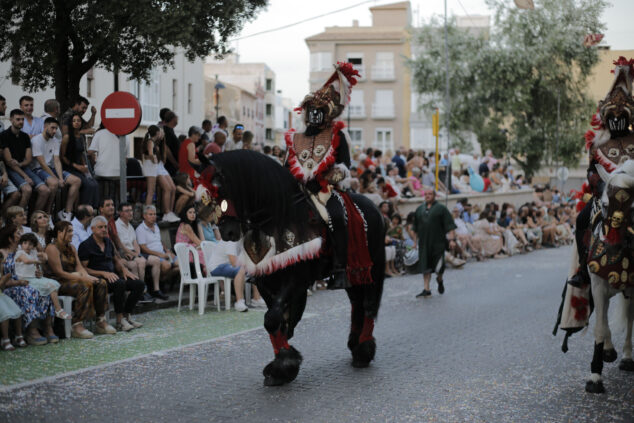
432,223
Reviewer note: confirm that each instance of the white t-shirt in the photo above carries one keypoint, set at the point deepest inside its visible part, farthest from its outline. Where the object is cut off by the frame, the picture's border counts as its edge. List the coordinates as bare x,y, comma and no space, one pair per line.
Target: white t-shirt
150,238
46,148
221,252
23,270
126,233
106,144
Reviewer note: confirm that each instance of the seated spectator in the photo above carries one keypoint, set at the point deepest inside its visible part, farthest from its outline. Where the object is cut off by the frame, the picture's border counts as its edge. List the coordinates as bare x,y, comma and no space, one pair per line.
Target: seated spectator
148,236
186,233
224,262
207,228
9,311
81,224
11,195
80,106
154,158
128,247
488,236
32,125
33,305
184,191
40,225
415,183
464,236
72,153
17,153
171,142
90,293
27,267
98,256
47,166
16,216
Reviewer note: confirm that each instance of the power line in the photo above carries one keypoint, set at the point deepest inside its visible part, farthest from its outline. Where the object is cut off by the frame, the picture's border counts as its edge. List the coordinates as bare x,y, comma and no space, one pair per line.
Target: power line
302,21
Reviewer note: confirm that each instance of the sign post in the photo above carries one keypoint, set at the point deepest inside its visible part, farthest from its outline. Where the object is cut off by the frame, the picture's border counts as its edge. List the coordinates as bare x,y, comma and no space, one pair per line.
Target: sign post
121,115
436,130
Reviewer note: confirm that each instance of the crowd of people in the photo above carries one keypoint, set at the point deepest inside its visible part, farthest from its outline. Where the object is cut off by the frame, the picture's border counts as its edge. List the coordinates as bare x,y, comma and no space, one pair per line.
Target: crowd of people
61,236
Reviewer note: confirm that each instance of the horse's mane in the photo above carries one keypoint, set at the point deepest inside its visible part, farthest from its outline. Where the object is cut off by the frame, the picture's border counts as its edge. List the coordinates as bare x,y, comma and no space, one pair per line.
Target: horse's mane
263,192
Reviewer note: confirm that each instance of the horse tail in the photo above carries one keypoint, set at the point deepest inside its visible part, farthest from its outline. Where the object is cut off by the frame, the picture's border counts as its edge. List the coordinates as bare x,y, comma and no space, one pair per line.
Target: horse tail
618,319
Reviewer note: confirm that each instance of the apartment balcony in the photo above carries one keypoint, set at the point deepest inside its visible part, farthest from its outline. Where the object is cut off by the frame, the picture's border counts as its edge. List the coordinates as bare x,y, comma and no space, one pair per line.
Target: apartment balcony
383,111
356,111
383,73
361,70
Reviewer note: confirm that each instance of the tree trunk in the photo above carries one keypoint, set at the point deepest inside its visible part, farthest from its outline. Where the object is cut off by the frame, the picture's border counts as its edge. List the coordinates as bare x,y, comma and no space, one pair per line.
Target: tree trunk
61,53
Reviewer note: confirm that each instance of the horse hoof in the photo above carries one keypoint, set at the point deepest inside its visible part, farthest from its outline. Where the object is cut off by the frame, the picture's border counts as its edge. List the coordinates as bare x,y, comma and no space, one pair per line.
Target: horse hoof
283,369
627,364
353,341
609,356
363,353
595,387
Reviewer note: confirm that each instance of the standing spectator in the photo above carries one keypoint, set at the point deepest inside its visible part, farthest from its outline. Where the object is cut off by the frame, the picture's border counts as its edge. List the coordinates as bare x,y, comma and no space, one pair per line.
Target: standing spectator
433,225
90,293
154,156
247,140
98,256
104,152
148,236
10,192
32,125
217,146
221,125
48,167
3,110
235,143
16,146
207,130
81,222
51,109
129,248
74,160
79,107
171,142
188,161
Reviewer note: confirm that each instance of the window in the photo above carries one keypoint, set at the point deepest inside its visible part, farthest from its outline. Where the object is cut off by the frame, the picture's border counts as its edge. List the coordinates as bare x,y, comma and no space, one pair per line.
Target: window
383,107
269,84
149,96
383,139
174,93
356,137
383,68
269,134
189,98
269,109
356,107
357,62
244,111
320,61
422,138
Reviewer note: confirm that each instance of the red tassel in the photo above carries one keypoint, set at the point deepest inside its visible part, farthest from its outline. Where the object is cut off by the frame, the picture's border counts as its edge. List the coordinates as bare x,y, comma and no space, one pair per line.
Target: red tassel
580,305
589,136
596,122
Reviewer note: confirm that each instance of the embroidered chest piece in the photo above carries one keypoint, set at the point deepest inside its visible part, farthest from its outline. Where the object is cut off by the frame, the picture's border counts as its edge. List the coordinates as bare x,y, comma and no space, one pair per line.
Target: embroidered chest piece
311,150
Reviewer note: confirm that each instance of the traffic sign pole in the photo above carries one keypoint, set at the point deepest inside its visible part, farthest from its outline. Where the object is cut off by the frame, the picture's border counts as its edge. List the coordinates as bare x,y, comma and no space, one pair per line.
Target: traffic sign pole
123,170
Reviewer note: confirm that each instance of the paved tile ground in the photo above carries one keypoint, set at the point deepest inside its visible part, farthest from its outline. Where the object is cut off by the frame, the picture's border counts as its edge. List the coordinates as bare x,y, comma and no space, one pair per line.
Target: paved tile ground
482,352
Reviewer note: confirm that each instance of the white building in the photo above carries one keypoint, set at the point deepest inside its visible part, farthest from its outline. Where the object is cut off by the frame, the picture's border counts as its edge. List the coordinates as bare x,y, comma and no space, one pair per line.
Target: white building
181,89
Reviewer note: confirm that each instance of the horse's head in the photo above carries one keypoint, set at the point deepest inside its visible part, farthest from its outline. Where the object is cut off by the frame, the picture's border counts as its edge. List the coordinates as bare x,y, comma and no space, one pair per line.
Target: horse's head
617,201
211,193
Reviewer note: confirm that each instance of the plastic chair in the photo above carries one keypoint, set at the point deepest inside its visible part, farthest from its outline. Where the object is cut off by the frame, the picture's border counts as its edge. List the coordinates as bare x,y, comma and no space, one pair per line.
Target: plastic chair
207,247
183,252
67,304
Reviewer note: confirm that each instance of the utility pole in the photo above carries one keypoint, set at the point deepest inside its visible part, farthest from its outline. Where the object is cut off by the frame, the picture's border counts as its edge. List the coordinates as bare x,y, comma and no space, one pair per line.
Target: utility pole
447,103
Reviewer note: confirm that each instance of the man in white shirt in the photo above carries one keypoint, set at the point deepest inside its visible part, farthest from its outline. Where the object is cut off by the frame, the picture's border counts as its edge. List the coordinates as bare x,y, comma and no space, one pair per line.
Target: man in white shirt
52,109
104,150
148,236
81,224
47,166
224,262
32,125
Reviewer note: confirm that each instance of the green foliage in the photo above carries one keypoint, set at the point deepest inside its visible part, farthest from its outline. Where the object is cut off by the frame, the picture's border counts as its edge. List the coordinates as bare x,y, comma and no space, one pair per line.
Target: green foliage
505,89
55,42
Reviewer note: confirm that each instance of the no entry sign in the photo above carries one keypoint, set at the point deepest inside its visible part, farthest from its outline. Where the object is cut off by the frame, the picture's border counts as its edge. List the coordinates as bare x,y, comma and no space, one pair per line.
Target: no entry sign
121,113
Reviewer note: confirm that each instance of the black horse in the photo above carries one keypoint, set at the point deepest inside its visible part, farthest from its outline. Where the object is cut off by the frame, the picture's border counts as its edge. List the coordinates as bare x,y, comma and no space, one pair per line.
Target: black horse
265,206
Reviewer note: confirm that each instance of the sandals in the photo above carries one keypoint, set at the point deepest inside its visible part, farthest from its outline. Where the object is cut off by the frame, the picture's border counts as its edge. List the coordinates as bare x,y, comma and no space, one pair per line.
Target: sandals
19,341
6,345
61,314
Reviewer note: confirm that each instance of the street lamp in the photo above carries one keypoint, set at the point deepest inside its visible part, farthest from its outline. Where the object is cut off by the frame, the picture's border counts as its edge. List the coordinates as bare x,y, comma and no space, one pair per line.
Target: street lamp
219,85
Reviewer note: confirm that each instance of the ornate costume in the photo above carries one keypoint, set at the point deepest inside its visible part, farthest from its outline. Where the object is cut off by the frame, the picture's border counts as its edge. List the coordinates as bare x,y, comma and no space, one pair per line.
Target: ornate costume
320,158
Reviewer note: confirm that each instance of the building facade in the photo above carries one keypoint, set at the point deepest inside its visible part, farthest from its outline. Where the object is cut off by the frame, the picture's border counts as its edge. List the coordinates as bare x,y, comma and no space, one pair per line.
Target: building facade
379,112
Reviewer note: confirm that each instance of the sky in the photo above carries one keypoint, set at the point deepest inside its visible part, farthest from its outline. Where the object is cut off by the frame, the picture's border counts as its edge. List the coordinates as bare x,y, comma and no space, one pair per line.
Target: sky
286,53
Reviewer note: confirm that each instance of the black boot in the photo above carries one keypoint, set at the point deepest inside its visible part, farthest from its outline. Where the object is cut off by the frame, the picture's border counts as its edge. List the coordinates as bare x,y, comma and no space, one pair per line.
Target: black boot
339,278
581,278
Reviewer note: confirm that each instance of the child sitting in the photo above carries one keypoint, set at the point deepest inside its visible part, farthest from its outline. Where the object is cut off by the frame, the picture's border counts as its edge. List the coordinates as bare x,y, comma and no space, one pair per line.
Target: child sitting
9,311
184,190
27,267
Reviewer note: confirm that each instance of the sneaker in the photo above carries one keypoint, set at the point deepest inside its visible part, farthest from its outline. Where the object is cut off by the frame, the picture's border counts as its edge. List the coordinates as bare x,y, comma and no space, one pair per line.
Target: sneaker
159,294
65,216
124,326
171,217
258,303
240,306
134,323
424,293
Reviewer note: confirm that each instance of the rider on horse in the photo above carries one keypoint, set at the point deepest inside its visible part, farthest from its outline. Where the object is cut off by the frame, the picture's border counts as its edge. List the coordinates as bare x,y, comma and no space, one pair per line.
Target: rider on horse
320,159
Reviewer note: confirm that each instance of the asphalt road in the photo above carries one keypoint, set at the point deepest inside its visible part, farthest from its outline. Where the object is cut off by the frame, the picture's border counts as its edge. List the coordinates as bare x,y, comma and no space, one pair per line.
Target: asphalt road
482,352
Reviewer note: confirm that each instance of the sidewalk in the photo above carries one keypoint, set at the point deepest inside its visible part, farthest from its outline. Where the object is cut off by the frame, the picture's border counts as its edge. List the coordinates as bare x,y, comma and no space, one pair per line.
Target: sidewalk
163,329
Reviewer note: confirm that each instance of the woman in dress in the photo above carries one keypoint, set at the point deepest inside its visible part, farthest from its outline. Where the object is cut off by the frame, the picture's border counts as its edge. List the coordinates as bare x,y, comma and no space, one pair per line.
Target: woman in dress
488,236
73,155
186,233
9,311
33,305
154,171
91,293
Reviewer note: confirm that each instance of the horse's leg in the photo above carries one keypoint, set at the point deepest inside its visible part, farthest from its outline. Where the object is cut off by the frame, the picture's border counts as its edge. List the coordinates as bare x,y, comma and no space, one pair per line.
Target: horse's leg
601,299
361,340
356,317
627,363
285,367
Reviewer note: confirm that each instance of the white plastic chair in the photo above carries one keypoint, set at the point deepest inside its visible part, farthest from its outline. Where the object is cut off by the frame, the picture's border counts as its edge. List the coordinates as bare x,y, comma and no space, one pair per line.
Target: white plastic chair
207,247
183,252
67,304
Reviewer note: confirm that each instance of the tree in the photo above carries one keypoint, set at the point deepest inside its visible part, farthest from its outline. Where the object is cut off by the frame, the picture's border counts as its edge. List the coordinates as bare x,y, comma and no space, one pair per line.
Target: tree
508,89
55,42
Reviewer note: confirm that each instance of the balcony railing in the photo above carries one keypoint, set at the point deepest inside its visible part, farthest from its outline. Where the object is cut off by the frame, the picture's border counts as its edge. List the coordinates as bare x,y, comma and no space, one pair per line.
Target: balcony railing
383,73
357,111
383,111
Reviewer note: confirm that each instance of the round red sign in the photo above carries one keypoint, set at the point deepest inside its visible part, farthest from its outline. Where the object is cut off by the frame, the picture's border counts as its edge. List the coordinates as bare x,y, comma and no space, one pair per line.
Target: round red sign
121,113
